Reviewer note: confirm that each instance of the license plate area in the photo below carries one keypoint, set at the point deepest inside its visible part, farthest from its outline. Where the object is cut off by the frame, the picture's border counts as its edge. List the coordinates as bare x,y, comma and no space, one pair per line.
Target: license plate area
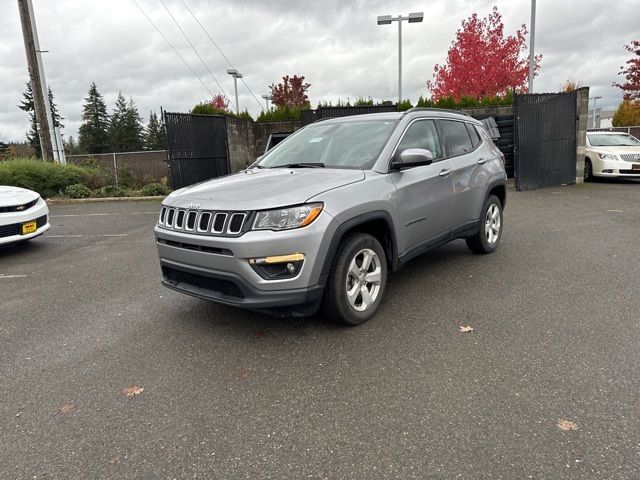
636,167
28,227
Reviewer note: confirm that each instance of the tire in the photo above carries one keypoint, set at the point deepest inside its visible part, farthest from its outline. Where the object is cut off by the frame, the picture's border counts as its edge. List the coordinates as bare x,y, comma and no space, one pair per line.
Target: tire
588,171
486,241
347,276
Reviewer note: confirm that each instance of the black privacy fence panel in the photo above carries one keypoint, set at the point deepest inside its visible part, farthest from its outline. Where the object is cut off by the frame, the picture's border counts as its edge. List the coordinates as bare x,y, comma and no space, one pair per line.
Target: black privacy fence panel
505,142
196,148
310,116
545,140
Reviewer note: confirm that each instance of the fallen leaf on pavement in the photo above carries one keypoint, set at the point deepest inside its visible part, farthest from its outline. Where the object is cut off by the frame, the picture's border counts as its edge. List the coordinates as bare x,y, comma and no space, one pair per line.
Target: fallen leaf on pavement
244,374
563,424
466,328
66,408
132,391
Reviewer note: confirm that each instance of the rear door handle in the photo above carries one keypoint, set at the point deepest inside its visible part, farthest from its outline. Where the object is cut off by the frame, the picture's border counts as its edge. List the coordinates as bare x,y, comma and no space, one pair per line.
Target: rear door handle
446,172
482,161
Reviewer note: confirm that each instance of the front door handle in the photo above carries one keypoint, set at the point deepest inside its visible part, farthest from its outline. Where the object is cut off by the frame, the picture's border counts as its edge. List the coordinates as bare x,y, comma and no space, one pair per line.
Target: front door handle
482,161
446,172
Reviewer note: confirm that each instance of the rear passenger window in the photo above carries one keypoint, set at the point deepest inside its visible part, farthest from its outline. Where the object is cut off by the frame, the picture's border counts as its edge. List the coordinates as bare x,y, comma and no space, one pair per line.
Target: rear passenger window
456,137
422,134
473,133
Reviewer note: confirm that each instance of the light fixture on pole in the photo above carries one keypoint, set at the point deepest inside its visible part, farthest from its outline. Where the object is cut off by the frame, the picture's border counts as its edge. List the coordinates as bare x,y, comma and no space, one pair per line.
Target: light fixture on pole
266,99
236,75
593,117
415,17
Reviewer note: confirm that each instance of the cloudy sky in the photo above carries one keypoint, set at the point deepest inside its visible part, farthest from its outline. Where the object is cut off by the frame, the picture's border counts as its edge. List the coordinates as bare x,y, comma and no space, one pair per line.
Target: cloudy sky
336,44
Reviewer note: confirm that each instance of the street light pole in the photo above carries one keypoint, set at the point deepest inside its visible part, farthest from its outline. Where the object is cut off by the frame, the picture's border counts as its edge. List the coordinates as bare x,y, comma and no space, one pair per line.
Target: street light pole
236,75
532,38
266,99
593,117
415,17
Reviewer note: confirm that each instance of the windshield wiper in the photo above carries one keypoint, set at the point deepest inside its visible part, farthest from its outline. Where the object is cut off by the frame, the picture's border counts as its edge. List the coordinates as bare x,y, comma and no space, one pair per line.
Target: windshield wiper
301,165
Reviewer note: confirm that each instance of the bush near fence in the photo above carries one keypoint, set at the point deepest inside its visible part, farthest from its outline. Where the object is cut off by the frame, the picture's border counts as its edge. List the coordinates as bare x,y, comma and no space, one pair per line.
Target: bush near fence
129,169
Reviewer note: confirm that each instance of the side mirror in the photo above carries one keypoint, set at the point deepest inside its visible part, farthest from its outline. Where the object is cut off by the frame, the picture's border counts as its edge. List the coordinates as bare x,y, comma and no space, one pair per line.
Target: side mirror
412,157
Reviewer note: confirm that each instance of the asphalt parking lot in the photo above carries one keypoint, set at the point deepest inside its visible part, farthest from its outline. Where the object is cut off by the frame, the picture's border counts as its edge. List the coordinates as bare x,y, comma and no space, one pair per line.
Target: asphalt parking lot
233,394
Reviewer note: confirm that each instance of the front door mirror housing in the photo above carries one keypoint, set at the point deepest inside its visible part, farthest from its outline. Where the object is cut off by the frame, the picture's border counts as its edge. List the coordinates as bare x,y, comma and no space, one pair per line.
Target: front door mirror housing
412,157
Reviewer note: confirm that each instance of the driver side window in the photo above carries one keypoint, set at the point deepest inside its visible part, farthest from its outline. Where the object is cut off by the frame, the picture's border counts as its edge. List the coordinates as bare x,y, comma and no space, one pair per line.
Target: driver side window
422,134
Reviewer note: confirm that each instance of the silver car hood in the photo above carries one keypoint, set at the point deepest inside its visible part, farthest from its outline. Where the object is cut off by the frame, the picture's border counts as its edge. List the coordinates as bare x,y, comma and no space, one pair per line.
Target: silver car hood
258,189
12,196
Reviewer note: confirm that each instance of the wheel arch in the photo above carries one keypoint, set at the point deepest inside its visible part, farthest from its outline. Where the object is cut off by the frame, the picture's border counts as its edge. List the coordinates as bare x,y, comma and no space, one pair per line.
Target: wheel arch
499,189
378,224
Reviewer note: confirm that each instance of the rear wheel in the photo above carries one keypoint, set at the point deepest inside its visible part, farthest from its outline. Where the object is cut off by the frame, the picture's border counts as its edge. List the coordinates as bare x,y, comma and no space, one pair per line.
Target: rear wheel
357,280
487,238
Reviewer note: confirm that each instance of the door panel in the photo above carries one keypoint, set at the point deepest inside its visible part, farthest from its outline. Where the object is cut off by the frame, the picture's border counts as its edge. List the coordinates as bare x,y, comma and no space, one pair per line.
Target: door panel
425,202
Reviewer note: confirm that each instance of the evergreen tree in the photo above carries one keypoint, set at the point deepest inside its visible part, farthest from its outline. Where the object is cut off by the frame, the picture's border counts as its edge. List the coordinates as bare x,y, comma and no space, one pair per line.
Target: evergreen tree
126,130
33,138
5,150
70,146
154,134
94,132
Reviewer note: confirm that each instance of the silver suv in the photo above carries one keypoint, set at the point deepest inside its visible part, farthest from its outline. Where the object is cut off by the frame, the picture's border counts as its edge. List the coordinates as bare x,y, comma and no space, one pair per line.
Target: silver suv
320,219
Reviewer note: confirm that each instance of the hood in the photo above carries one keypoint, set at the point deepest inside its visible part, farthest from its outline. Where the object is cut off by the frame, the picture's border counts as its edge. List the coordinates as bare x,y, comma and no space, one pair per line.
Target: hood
258,189
12,196
616,150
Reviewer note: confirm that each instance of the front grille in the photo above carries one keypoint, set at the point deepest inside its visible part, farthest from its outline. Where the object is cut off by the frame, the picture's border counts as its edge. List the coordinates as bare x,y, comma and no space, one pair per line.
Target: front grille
629,172
18,208
227,224
15,228
197,248
217,285
630,157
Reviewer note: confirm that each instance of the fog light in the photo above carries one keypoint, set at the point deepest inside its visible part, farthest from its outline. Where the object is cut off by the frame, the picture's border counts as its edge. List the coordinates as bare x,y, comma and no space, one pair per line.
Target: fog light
278,266
608,170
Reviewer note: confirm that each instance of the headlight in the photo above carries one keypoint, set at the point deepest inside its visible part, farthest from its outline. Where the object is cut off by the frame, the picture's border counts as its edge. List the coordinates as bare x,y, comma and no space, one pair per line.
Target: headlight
608,156
287,218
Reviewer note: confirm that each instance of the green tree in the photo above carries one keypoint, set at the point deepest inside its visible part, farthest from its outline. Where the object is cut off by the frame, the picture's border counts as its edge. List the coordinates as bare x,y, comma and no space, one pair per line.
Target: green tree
33,137
94,132
126,130
627,115
154,134
70,146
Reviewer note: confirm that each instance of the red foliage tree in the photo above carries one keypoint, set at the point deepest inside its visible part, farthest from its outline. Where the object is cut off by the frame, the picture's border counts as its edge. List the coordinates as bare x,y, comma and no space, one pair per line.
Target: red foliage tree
219,102
631,88
291,92
482,61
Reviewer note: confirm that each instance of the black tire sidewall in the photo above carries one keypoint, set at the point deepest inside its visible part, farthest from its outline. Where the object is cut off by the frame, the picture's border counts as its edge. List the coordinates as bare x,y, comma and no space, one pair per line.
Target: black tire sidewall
487,247
337,305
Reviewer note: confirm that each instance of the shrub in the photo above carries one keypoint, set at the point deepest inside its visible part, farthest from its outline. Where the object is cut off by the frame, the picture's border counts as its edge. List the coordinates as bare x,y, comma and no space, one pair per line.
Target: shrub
404,105
126,178
153,189
627,114
280,114
78,190
95,174
111,191
46,178
209,109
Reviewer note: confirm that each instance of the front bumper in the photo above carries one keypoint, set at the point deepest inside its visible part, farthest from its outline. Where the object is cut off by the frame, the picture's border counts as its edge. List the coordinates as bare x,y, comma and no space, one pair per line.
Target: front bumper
10,223
218,269
616,169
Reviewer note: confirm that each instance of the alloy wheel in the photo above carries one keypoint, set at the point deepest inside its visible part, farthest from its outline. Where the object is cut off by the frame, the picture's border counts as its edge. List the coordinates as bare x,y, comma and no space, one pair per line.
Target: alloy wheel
492,223
363,279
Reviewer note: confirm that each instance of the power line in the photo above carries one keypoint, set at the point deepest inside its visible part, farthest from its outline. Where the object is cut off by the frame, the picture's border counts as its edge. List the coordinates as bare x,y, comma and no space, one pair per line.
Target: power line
174,48
192,47
220,50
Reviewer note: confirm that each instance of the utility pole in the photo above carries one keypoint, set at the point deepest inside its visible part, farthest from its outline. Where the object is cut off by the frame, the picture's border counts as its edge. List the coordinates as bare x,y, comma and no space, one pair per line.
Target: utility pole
38,84
532,38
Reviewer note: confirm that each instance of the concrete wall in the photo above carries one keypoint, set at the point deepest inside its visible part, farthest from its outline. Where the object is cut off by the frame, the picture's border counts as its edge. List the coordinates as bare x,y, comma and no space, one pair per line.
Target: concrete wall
247,140
582,112
241,142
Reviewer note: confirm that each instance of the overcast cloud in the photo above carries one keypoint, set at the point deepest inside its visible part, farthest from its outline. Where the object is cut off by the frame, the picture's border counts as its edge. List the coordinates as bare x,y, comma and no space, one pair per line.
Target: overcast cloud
335,44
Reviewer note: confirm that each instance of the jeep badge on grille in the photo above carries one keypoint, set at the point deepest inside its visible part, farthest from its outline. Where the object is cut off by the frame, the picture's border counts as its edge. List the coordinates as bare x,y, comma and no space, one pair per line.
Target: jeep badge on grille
193,205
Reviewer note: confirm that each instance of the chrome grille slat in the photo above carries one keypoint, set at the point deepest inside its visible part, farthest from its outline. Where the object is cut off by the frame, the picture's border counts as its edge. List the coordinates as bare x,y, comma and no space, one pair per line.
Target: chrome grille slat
219,221
170,216
163,212
235,226
179,223
190,220
201,218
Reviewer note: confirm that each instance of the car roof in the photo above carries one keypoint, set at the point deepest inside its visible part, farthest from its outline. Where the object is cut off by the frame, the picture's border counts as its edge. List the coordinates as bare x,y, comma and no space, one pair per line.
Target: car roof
411,114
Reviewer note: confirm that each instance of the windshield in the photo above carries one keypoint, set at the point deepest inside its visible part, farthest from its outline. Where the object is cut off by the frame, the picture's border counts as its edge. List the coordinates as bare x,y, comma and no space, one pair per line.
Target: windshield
618,140
351,144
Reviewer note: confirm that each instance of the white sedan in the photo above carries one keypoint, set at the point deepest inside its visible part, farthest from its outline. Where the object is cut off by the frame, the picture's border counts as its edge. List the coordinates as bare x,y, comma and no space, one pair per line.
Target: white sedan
23,215
612,154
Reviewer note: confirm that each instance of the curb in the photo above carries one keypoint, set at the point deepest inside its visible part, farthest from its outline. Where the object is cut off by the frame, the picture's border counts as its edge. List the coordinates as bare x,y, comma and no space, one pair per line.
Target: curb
58,201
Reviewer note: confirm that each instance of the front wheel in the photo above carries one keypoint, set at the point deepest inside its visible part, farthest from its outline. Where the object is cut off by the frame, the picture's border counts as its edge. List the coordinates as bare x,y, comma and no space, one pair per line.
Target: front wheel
357,280
588,171
490,229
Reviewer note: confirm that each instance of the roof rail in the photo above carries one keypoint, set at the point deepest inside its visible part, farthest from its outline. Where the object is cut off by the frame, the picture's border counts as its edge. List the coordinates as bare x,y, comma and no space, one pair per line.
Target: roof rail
429,109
